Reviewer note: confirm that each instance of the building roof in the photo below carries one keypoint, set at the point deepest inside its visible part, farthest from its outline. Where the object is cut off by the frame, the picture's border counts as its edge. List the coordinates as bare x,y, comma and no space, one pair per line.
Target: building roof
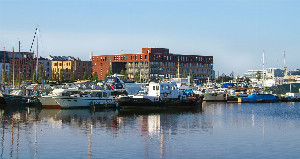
61,58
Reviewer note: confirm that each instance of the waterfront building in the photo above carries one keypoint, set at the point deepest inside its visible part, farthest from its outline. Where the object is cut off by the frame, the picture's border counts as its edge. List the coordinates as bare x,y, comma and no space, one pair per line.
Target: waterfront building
47,67
23,65
65,66
272,76
152,63
292,76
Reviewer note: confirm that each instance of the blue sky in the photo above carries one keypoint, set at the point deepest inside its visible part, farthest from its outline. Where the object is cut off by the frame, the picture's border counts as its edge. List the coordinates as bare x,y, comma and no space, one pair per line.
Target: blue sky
235,32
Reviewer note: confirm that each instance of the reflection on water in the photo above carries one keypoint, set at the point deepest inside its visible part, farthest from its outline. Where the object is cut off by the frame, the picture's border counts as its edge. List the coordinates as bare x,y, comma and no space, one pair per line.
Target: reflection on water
209,131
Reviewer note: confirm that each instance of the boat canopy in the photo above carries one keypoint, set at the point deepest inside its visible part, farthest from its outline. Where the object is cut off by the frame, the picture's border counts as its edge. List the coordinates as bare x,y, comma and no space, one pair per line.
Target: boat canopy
226,85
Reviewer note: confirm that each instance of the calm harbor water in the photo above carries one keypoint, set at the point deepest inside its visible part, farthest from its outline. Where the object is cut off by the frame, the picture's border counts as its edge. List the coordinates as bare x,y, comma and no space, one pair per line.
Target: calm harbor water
215,130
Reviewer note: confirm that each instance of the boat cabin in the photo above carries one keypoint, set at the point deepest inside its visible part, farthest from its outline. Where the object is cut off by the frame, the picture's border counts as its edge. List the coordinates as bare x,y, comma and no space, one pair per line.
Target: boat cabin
164,90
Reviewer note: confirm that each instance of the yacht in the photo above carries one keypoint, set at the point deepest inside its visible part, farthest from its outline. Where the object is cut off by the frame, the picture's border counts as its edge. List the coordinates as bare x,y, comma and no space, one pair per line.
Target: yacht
86,99
48,101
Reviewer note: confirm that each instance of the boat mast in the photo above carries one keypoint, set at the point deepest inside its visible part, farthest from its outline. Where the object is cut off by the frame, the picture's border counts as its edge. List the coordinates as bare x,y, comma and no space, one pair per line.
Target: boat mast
3,65
13,61
178,69
37,52
263,58
19,65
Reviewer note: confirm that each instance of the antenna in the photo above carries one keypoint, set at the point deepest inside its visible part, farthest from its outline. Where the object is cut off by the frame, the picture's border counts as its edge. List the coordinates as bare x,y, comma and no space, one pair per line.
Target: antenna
91,55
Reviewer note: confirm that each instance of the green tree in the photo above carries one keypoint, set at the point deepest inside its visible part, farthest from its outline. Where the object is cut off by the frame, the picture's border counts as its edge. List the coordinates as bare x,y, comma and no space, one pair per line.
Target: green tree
109,72
72,77
84,76
192,76
53,77
136,76
123,72
33,78
258,75
23,77
61,77
41,75
184,74
95,76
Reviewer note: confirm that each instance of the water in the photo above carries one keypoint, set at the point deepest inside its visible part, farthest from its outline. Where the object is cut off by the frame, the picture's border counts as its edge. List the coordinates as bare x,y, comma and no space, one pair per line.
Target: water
215,130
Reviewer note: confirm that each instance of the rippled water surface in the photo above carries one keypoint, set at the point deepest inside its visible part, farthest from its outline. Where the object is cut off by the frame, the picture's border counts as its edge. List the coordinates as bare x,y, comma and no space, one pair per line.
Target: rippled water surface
215,130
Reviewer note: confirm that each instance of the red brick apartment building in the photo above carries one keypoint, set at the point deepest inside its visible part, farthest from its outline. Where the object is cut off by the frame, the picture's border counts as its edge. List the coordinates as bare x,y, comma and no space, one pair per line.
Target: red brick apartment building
153,62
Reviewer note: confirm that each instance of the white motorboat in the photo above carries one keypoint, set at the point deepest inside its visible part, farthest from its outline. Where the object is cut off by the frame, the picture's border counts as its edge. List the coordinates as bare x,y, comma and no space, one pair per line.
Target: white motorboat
48,101
85,100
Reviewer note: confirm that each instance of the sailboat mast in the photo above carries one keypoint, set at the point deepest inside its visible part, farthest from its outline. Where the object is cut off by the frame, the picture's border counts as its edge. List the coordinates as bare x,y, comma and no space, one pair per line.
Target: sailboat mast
13,61
263,58
3,65
19,64
178,76
37,52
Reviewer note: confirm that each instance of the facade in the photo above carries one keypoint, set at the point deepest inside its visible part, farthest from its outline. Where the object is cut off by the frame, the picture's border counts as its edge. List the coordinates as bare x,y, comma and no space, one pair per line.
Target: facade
24,66
47,67
153,63
68,67
292,76
273,76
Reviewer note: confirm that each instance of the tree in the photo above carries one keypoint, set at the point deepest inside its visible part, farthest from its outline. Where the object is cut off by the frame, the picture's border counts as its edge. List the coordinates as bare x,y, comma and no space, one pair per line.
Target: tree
191,77
33,78
84,76
123,72
184,74
258,75
136,76
109,72
95,76
61,77
41,74
72,77
53,77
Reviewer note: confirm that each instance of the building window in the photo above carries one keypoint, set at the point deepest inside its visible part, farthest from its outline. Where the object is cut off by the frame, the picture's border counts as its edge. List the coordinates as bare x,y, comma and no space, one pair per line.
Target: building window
145,57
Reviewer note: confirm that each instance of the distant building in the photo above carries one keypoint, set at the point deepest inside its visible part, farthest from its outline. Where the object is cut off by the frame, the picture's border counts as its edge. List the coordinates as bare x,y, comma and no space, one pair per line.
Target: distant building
23,65
292,76
47,67
153,62
69,65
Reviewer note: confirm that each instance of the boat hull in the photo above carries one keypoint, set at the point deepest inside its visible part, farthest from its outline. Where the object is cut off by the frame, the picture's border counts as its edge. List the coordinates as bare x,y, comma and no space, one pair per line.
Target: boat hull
214,97
67,103
145,101
20,100
49,102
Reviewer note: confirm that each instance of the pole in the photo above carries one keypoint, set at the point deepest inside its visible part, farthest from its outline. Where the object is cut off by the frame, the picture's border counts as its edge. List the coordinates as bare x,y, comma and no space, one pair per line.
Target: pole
263,84
3,65
178,76
19,64
37,52
13,61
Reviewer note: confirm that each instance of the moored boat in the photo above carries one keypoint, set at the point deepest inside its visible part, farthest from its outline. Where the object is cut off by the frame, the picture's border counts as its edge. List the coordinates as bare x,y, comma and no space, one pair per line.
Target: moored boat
259,98
86,99
159,94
